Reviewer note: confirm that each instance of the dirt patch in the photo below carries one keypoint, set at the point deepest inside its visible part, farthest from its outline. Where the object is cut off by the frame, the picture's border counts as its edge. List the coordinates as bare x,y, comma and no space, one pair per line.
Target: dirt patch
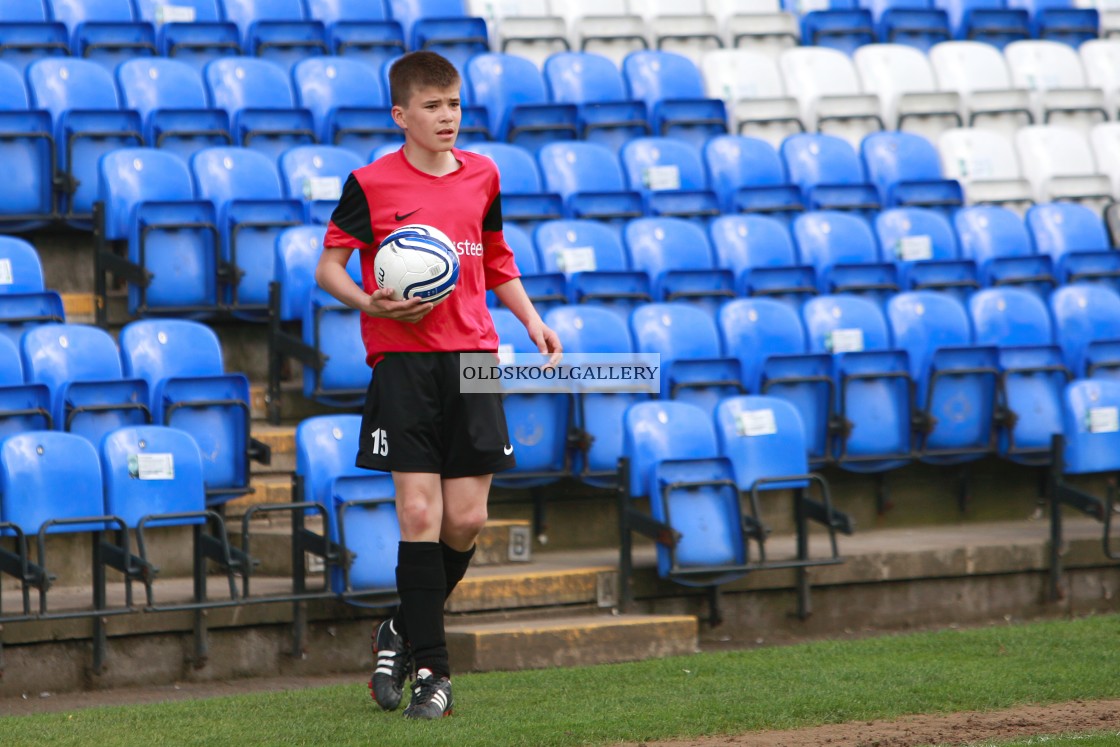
947,729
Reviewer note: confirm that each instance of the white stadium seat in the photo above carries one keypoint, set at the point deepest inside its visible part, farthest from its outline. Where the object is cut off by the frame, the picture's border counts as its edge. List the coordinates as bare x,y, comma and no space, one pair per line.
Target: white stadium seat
1105,141
1052,72
528,28
753,92
902,78
978,72
611,28
986,164
827,85
1060,165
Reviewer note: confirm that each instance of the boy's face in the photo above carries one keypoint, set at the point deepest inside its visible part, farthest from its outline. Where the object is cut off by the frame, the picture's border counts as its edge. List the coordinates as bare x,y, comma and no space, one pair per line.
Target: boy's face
431,118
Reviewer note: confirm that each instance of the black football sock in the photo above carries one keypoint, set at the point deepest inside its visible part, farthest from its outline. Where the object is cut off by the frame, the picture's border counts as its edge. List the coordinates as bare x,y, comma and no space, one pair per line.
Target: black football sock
421,586
455,564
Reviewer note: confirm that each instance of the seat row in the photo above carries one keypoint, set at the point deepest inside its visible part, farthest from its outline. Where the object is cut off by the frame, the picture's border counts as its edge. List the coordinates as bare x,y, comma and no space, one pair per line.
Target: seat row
928,377
288,30
73,378
821,252
79,108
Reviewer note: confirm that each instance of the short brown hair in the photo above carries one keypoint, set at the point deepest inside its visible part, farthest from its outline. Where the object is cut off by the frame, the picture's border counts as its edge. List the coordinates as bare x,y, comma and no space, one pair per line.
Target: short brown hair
421,69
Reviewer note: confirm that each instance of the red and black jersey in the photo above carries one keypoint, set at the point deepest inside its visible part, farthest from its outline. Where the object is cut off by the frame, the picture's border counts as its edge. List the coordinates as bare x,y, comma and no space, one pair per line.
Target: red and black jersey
467,206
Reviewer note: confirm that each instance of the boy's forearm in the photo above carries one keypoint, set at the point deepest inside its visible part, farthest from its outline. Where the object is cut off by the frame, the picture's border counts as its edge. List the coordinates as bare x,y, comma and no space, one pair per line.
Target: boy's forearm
334,279
513,296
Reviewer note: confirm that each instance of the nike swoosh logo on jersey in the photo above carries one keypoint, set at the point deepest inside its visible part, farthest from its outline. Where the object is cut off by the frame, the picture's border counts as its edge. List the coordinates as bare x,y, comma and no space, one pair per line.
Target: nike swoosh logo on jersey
401,217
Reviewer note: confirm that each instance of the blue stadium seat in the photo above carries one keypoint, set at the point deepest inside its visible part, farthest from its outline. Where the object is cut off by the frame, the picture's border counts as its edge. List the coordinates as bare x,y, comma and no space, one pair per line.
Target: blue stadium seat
82,101
316,174
1061,20
990,21
171,100
297,252
829,173
748,176
22,311
839,24
1075,238
524,197
538,421
545,287
27,199
20,269
594,261
50,483
350,107
673,460
335,372
153,477
673,90
513,92
27,34
361,29
915,23
1088,446
445,27
23,407
360,503
957,381
1087,326
768,338
922,243
678,257
252,211
24,302
607,114
873,384
997,240
181,361
277,30
764,439
81,366
589,178
670,175
1032,372
262,108
597,430
759,251
907,170
105,31
173,256
191,31
693,367
842,247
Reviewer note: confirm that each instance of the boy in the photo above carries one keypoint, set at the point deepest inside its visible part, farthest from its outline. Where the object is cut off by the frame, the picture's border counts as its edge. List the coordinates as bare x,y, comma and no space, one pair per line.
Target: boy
441,446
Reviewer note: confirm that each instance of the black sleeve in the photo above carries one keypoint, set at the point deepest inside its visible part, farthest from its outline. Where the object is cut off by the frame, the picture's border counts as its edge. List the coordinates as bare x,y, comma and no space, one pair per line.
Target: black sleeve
493,219
352,213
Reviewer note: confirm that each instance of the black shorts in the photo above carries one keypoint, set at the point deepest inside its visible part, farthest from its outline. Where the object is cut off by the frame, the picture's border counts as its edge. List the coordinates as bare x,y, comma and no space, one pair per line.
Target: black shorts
416,420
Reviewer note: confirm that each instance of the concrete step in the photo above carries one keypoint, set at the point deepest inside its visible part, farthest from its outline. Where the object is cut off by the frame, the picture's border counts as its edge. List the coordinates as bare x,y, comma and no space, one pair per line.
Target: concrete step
281,439
569,640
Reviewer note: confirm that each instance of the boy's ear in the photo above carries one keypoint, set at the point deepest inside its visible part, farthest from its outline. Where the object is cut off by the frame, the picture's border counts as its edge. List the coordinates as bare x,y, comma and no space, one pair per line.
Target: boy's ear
398,116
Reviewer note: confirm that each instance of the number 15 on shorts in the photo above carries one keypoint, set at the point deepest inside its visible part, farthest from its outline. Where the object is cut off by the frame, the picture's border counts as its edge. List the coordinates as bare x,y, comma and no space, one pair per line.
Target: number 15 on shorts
380,442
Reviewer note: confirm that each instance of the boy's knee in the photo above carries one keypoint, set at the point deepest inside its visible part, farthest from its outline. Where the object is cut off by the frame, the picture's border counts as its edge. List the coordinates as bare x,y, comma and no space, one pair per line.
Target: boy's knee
467,525
417,518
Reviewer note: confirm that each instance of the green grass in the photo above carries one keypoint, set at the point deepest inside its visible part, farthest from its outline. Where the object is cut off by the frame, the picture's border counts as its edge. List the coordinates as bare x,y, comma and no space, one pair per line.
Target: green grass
730,692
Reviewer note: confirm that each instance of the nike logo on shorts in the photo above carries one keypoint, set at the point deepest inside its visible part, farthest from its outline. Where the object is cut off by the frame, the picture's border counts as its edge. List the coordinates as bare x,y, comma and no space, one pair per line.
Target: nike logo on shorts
508,449
400,216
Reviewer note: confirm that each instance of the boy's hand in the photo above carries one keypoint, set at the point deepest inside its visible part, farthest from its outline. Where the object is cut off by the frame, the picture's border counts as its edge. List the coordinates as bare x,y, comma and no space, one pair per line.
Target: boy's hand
381,305
546,341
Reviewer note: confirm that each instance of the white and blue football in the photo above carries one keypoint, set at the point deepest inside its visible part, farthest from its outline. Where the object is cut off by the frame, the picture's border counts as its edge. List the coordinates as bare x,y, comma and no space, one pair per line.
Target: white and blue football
417,261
